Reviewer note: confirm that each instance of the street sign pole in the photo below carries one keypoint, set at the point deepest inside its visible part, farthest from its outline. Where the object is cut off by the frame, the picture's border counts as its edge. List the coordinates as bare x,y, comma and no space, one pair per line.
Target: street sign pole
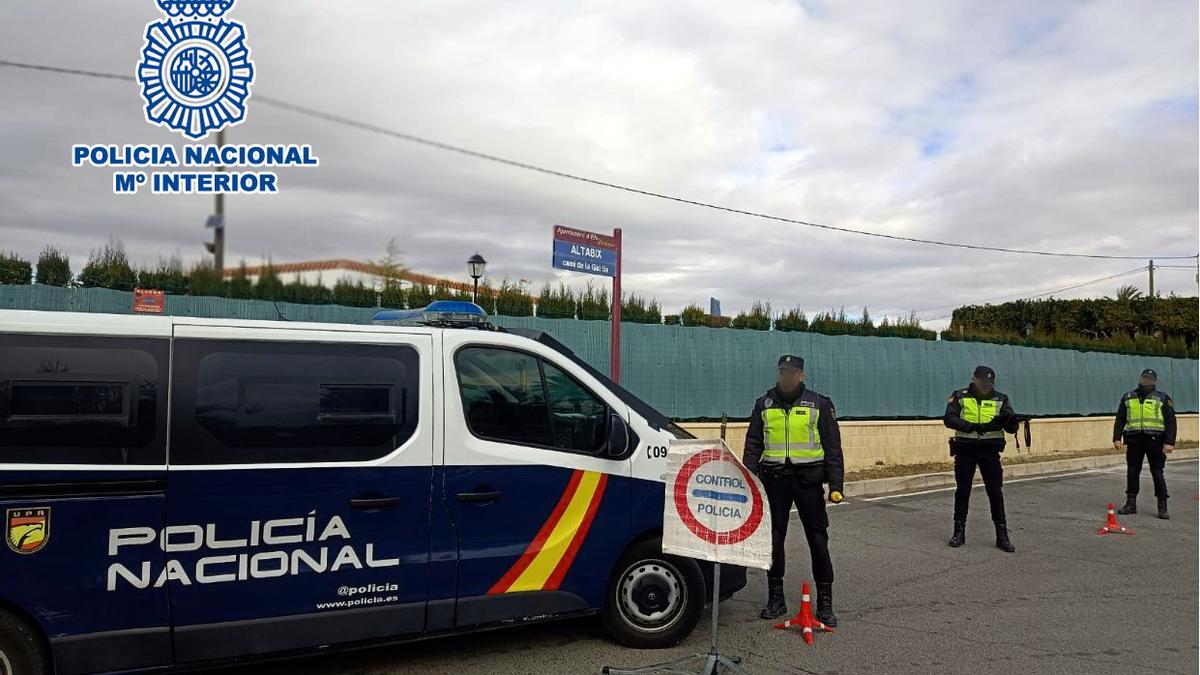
615,346
599,254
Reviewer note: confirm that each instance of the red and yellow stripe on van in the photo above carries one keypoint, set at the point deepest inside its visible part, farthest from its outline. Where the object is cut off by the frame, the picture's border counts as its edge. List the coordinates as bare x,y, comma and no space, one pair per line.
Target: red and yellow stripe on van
549,556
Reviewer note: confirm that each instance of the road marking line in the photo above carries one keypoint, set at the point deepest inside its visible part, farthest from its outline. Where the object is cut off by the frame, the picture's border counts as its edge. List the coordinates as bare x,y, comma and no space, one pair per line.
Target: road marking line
1010,482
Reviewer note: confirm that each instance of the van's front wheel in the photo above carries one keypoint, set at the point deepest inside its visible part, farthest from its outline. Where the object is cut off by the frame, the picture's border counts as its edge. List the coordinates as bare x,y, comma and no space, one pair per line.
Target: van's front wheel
654,600
21,650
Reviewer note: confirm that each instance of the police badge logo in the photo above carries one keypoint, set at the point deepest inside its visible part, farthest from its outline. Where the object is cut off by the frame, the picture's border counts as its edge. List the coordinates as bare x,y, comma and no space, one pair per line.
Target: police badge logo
28,529
195,70
195,7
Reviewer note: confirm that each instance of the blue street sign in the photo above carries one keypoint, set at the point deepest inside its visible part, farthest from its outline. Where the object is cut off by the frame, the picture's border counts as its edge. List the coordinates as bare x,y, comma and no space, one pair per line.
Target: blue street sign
576,257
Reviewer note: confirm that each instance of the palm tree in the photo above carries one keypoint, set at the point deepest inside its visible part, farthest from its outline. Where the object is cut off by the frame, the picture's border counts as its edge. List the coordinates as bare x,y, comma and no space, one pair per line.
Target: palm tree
1128,293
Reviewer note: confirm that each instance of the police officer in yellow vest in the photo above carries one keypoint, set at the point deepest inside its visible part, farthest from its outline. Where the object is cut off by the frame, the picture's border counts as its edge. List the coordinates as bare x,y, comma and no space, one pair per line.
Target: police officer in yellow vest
979,416
1145,427
794,445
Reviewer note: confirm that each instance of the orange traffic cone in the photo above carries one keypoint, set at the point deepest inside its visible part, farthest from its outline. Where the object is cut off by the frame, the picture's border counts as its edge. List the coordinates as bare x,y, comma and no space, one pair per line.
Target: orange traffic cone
1112,525
804,618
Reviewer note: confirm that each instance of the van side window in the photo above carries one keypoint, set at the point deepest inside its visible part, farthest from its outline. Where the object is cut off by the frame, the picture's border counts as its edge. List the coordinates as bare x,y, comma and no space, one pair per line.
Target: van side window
579,419
503,397
82,399
260,402
514,397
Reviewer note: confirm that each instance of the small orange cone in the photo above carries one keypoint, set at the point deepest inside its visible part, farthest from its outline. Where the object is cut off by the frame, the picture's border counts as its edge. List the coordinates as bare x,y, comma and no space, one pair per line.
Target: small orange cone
804,618
1112,525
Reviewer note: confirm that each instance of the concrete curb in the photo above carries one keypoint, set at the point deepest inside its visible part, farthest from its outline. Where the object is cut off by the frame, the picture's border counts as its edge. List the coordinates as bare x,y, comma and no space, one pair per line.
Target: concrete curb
925,481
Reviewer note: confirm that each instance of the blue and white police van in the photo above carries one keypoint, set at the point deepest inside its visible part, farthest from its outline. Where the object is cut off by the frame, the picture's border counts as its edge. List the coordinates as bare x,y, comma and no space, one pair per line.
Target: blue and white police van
182,491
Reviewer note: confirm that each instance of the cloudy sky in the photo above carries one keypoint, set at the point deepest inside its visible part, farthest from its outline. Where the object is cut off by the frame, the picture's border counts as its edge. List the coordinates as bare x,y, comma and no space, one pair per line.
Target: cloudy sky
1067,126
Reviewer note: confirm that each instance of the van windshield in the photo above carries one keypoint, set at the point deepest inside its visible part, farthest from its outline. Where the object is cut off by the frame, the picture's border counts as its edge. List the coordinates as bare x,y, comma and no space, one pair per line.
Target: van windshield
652,416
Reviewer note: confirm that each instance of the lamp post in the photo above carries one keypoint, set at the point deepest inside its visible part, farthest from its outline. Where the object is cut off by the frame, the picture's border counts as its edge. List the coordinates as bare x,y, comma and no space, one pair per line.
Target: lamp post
475,266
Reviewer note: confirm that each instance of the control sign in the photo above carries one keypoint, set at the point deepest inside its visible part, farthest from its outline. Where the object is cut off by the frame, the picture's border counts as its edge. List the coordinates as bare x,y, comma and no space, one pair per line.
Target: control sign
715,508
583,251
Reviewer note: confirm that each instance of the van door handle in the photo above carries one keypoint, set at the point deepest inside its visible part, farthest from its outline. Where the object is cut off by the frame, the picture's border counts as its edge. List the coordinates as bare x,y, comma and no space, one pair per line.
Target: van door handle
374,502
481,496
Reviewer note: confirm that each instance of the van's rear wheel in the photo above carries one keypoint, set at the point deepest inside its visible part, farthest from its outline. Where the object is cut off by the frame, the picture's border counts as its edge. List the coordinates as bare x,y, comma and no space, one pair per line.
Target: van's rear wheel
21,648
654,600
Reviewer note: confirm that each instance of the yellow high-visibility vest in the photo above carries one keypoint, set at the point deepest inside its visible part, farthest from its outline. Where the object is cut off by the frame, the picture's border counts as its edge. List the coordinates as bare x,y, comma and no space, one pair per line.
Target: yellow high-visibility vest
790,434
1144,416
979,411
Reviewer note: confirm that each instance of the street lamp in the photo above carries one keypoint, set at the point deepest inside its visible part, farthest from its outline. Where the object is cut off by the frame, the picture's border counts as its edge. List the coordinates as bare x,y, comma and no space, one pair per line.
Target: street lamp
475,267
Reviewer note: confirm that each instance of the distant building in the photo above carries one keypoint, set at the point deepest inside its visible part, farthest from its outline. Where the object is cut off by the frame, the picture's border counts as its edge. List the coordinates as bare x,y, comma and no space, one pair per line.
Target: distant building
329,272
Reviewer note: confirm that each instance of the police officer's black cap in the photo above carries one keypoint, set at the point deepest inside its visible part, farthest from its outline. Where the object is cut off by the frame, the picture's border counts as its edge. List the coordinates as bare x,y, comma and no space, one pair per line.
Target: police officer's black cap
790,362
1150,372
985,373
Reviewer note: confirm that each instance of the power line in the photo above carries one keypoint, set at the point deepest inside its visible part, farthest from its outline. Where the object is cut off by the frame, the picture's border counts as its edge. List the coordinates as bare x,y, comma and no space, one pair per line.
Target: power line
366,126
1038,295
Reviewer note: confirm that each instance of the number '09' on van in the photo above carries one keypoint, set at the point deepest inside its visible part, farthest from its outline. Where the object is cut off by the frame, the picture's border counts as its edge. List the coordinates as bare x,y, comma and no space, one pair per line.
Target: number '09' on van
180,491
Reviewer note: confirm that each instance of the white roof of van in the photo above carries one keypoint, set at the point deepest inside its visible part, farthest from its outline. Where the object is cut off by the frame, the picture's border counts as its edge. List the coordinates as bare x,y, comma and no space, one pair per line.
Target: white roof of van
92,323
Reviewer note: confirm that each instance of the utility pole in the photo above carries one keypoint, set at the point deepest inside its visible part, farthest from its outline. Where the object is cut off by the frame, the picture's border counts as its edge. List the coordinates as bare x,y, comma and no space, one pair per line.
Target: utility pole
1151,268
217,221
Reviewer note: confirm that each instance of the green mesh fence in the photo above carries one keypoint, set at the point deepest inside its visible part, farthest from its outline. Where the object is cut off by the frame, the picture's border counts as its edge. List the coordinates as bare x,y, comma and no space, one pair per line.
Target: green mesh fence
707,372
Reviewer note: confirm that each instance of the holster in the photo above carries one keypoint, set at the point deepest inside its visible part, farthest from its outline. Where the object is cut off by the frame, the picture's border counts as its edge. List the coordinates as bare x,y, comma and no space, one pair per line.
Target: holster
953,448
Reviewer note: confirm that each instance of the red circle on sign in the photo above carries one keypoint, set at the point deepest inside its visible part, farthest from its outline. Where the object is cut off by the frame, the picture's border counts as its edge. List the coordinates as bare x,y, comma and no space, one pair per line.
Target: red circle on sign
700,529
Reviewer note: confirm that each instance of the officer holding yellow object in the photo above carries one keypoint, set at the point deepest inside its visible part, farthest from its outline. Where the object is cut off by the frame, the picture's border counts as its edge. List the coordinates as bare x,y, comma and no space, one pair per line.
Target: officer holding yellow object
1145,427
979,416
794,445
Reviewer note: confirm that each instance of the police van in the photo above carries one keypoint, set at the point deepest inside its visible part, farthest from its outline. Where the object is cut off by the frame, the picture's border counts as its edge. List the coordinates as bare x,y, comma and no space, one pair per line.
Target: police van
181,491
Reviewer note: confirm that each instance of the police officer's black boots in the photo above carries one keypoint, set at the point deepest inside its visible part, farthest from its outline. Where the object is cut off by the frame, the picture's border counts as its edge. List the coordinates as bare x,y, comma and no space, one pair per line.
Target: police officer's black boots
824,611
1130,506
960,534
1162,509
1002,541
776,606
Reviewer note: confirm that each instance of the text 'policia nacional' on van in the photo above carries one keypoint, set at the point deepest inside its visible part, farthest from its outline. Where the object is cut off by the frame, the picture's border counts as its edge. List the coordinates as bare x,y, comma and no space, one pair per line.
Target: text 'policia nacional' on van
180,491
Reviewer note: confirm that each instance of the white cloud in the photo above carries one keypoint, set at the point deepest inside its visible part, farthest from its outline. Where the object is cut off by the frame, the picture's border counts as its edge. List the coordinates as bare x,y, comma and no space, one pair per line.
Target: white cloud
1064,126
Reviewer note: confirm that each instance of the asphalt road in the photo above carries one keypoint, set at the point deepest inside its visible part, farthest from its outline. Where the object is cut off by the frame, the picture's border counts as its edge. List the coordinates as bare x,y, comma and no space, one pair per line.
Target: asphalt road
1068,601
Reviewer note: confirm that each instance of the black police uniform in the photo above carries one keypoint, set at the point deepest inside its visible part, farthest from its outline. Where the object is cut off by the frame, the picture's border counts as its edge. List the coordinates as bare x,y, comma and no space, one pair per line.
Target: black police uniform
798,484
983,453
1143,445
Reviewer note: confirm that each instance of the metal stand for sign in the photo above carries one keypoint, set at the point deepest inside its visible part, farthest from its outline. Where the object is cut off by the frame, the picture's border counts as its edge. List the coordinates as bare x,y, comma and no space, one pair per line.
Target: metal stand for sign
711,663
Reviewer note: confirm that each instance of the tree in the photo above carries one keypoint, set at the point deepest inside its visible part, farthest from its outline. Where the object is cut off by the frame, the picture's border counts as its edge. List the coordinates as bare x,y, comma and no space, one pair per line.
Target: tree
205,279
390,267
269,286
793,320
512,300
307,294
419,296
239,284
53,267
759,317
693,315
109,268
556,303
636,309
486,297
1128,293
14,269
594,304
865,325
353,294
168,277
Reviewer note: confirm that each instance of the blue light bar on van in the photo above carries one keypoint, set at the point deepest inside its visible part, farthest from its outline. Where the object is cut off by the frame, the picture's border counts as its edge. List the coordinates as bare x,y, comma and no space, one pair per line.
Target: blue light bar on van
441,313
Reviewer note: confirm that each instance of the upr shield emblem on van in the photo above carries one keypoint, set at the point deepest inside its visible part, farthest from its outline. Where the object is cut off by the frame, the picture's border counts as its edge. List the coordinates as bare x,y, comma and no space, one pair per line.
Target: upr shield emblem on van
28,529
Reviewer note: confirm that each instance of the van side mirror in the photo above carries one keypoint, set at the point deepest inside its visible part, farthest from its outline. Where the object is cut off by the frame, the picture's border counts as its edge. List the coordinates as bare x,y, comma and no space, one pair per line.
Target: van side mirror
618,437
